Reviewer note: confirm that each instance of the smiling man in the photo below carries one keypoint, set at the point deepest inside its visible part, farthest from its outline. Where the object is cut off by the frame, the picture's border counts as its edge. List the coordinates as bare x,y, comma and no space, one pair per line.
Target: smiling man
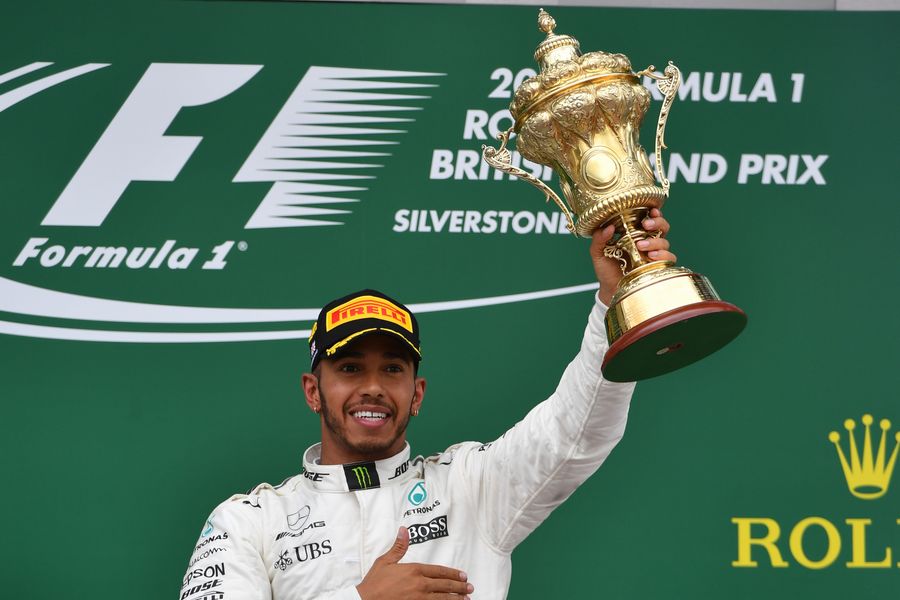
371,379
365,520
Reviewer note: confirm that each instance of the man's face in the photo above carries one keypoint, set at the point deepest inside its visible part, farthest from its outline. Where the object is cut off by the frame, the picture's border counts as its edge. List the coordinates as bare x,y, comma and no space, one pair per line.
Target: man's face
365,395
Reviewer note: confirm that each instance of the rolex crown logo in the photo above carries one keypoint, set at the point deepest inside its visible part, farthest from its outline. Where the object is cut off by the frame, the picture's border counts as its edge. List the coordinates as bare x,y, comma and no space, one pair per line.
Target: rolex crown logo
868,477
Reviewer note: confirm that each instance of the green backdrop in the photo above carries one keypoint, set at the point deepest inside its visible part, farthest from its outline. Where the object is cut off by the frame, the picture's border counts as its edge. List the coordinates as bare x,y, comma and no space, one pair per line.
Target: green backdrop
126,418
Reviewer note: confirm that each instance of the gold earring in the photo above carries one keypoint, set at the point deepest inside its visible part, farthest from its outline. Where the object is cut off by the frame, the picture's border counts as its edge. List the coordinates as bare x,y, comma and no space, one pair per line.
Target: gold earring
415,412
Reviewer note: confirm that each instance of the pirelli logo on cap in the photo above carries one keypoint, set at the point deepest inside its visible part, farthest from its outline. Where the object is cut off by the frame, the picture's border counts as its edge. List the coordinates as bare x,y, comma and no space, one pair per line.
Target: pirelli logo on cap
368,307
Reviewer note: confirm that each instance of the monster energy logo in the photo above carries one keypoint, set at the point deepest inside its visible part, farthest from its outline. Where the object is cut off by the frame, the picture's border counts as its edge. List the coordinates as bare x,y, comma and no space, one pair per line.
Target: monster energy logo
361,476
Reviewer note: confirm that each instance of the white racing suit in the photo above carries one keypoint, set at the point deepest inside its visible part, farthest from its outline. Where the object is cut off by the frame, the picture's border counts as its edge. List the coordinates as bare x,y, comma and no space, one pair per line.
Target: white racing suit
315,536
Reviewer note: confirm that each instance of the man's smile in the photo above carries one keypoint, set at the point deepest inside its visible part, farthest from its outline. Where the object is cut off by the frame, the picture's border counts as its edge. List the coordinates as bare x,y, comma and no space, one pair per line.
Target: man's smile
372,417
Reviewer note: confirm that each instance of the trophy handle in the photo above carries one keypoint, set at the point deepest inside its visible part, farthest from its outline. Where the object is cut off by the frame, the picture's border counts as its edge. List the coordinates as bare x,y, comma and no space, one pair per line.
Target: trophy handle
501,159
668,83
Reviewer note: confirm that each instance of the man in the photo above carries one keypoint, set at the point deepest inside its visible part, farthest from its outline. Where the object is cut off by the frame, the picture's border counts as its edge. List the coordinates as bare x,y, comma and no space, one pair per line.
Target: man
363,521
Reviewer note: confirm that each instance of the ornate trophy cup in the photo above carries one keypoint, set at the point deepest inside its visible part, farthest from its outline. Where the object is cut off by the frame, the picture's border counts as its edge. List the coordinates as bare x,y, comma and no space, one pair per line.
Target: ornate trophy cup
581,115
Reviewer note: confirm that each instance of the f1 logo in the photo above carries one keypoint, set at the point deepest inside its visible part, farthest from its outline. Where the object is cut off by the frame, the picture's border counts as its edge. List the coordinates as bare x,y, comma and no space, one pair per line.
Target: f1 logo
134,146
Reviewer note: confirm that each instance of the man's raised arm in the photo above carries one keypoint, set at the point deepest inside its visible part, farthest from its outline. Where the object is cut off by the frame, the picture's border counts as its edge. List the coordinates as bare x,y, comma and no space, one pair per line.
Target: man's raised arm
517,480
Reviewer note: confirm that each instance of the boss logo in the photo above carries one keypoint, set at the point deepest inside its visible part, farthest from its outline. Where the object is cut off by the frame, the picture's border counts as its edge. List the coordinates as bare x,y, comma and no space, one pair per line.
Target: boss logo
432,530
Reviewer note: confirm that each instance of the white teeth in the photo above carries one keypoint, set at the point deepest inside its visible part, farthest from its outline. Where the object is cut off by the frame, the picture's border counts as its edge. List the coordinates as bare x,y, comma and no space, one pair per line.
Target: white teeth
367,414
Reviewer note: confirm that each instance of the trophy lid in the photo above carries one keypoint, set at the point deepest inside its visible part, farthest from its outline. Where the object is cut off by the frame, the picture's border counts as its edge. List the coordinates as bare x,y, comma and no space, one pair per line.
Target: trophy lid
567,46
563,68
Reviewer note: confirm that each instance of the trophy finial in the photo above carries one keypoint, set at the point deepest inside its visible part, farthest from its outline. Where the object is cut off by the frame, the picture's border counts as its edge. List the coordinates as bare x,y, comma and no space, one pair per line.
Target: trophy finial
546,23
554,41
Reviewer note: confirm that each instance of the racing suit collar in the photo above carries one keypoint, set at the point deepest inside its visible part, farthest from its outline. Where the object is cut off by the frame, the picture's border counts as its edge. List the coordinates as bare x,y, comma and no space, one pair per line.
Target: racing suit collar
353,477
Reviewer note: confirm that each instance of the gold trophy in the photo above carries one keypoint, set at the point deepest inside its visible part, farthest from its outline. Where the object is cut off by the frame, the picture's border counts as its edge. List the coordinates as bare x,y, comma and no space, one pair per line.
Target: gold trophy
581,115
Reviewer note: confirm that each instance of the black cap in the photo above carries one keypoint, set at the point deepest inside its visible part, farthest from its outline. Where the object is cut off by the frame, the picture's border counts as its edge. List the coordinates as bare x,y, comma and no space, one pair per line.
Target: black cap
358,314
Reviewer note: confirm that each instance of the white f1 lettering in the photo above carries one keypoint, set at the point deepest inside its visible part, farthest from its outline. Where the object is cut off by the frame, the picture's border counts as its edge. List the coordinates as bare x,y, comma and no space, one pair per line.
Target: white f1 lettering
134,147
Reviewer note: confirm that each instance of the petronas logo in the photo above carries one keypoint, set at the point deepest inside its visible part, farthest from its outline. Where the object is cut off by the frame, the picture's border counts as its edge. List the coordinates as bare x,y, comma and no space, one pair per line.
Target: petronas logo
363,478
868,476
417,495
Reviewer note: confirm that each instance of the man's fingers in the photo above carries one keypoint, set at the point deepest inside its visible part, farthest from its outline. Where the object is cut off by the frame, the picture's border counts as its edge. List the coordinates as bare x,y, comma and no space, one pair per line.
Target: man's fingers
656,249
656,222
663,255
444,580
398,550
441,572
651,244
599,239
448,587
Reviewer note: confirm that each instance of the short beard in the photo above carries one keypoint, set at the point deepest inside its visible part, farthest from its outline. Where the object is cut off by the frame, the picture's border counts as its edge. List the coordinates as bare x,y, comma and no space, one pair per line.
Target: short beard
374,448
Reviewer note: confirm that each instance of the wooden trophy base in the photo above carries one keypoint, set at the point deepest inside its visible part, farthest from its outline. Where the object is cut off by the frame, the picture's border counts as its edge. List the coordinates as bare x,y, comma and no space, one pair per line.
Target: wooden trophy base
663,318
673,340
